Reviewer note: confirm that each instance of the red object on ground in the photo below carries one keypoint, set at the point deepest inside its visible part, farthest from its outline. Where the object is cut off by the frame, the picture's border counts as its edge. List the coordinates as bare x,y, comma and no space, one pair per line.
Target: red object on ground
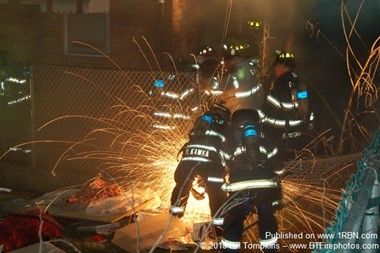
99,238
20,230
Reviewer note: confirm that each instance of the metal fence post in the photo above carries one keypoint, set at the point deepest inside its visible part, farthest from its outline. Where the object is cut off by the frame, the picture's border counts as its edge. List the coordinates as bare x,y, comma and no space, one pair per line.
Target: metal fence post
32,114
370,226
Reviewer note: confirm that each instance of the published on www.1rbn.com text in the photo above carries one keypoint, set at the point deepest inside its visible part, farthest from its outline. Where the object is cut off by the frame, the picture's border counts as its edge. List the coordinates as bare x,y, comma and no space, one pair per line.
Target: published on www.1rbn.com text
343,240
309,241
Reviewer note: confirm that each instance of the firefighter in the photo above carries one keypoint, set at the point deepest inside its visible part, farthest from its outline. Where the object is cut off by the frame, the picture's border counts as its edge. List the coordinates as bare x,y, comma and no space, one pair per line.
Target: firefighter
252,179
252,183
241,75
286,109
244,91
203,155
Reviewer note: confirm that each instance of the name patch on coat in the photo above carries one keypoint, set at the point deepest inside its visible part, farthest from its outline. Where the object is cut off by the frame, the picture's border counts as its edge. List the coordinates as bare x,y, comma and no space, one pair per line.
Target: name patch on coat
197,152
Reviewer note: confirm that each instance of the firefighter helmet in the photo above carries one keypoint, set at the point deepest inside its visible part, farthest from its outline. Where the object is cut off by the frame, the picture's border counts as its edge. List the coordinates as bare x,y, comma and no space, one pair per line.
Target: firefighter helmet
221,112
206,51
236,47
254,25
286,58
243,117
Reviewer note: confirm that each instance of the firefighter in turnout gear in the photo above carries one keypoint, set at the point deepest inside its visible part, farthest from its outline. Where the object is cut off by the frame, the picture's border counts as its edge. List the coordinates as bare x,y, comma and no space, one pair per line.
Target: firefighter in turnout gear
286,110
241,82
203,155
252,183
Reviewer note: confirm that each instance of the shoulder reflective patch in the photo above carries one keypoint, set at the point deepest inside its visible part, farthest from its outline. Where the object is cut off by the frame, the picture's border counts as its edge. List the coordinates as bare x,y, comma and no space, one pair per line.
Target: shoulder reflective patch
302,94
207,118
159,83
250,132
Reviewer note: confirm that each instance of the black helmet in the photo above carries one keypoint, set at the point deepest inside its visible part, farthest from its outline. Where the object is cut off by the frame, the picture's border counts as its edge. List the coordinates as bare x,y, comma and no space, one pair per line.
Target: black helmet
236,47
286,58
244,116
254,25
206,51
221,112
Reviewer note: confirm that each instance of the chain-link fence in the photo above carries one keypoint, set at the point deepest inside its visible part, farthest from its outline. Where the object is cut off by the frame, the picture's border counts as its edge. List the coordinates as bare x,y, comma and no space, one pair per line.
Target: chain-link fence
15,104
71,119
56,107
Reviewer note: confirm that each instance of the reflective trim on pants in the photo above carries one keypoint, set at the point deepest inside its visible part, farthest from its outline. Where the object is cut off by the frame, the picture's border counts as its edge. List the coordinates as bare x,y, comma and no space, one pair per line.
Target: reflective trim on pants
215,179
276,203
267,243
250,184
280,171
226,244
177,209
217,221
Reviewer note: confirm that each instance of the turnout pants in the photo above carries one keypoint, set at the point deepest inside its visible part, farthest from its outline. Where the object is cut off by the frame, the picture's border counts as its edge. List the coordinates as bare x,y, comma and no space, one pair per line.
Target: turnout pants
211,172
233,227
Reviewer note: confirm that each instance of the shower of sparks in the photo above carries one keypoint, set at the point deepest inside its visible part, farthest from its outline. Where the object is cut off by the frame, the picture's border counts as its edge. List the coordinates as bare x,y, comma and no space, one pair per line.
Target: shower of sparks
138,145
137,155
131,150
140,156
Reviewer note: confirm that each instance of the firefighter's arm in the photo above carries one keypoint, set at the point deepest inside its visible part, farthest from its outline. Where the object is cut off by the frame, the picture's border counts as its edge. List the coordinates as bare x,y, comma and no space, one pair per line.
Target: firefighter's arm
201,125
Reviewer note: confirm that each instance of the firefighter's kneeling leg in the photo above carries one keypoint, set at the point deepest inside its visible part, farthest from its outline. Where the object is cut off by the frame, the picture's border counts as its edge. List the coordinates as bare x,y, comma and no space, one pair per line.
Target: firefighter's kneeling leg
183,177
216,197
268,226
233,228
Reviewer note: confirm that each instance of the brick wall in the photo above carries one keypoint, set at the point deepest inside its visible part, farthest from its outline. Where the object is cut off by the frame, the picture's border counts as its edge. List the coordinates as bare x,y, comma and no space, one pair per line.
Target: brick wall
29,35
176,27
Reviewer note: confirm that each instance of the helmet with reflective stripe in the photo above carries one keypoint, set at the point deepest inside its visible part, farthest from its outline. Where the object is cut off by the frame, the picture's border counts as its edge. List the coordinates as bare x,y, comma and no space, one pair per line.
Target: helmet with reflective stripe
236,47
206,51
254,24
221,112
285,58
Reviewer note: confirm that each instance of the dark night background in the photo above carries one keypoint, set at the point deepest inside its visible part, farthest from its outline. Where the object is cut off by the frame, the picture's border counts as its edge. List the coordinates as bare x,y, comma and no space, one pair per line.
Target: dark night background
313,31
